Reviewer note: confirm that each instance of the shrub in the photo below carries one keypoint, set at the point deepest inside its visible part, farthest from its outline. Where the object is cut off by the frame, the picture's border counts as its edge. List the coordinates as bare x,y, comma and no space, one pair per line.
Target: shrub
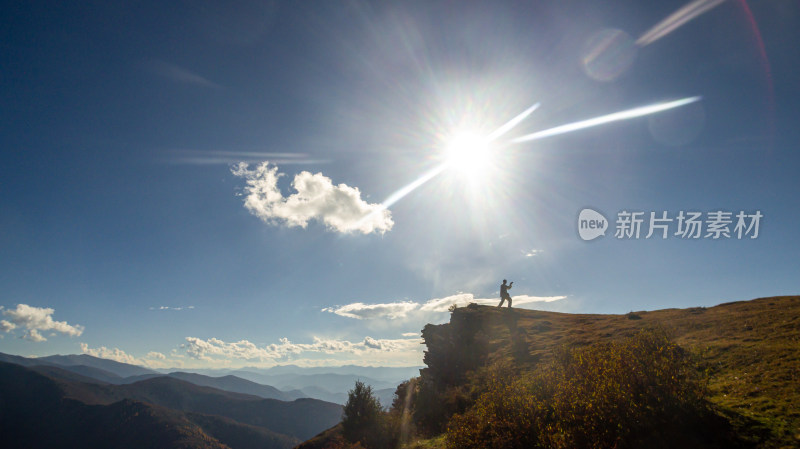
603,396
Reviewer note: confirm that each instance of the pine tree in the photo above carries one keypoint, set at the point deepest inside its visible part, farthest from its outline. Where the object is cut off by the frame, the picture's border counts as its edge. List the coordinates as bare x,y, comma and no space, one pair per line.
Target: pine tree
363,416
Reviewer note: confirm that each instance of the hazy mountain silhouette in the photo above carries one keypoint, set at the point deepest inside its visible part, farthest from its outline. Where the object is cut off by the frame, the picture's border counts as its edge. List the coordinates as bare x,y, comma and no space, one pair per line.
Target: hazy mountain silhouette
93,374
301,418
326,386
226,383
314,391
283,382
36,413
60,373
91,413
383,373
111,366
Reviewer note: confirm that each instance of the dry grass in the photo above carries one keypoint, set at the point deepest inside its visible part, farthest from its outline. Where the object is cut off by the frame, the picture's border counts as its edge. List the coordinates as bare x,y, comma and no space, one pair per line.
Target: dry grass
751,350
431,443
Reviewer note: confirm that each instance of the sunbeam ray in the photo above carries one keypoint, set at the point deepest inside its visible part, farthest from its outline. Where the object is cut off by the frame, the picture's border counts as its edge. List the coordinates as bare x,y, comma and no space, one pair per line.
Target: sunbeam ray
511,123
562,129
676,20
398,195
616,116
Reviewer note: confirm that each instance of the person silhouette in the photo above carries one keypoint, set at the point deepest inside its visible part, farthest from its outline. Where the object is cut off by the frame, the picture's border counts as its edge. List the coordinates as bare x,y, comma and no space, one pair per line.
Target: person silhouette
504,296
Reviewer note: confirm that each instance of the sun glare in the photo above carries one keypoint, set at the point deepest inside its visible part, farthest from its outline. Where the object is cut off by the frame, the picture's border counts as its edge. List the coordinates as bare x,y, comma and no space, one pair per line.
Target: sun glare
468,152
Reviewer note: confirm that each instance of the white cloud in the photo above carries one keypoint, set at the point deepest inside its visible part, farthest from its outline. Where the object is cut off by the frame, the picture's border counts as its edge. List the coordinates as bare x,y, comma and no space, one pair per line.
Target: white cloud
111,354
461,300
405,309
152,359
213,352
214,349
172,308
360,310
532,253
156,355
527,299
35,320
180,74
34,336
410,334
442,304
205,349
339,207
7,326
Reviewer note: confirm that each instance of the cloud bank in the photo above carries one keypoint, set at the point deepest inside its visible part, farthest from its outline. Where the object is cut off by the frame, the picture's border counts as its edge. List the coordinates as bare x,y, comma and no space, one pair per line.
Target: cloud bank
214,352
172,308
360,310
34,321
111,354
214,349
339,207
152,359
404,309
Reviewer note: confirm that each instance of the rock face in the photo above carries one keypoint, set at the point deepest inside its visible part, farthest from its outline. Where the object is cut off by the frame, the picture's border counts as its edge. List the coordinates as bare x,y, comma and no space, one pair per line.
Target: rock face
457,347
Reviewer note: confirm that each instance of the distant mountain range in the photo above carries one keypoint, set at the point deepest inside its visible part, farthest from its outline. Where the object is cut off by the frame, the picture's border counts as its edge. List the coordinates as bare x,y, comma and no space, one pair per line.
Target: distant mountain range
48,406
285,382
94,402
384,373
94,366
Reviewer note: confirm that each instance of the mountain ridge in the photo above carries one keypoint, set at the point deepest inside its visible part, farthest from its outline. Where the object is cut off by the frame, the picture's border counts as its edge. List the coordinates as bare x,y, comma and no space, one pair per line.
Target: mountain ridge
35,413
177,413
286,382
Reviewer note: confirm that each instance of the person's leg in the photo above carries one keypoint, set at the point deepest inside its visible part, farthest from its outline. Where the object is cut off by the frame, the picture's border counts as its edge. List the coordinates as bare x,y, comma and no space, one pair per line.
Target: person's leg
502,300
509,302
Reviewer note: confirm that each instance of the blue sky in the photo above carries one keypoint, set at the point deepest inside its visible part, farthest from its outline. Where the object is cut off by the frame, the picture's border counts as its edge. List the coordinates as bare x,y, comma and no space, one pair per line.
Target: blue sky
138,222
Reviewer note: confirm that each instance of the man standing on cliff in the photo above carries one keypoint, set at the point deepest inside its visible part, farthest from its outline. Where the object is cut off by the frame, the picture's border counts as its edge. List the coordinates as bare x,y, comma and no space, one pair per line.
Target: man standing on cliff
504,294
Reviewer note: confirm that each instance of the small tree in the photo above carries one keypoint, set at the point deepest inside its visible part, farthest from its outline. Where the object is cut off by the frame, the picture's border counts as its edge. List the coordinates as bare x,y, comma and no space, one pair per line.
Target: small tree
363,418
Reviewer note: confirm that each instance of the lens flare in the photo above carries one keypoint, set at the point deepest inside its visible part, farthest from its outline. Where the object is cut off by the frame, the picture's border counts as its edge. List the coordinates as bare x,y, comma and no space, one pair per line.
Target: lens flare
676,20
399,194
602,120
470,152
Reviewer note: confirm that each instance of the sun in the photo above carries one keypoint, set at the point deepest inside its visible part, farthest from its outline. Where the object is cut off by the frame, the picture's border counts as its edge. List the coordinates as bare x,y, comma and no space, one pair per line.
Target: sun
468,152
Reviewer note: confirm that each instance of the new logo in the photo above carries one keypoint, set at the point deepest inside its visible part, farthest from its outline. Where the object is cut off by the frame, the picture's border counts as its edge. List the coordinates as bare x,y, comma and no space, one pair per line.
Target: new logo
591,224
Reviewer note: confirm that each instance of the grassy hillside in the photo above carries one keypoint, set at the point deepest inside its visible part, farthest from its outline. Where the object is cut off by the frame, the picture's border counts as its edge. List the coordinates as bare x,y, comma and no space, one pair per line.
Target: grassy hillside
750,348
746,354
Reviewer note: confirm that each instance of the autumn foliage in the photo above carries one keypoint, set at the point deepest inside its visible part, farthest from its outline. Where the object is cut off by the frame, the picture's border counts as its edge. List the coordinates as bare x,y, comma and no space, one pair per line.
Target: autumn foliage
613,395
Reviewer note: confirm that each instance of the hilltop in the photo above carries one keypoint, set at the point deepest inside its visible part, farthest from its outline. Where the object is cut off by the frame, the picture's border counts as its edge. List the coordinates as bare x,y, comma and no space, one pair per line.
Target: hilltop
747,355
751,348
